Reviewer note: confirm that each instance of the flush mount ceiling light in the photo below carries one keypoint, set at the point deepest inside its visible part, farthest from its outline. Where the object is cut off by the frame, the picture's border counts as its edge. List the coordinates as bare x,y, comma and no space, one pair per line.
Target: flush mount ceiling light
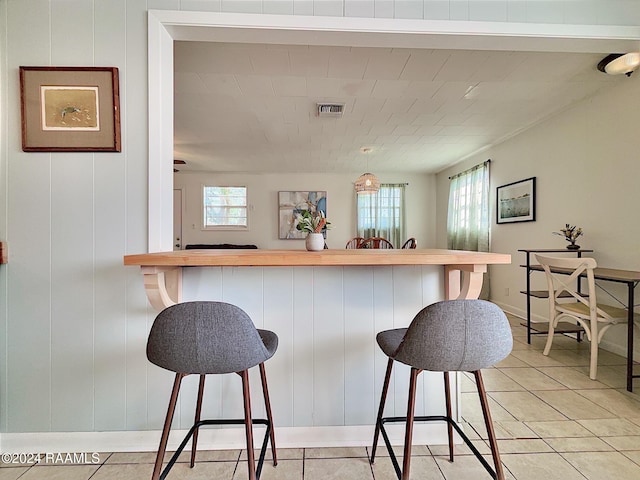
620,63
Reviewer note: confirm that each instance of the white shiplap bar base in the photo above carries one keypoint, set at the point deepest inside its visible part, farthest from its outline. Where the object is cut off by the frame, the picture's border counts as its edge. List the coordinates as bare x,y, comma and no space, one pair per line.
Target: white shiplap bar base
214,439
328,370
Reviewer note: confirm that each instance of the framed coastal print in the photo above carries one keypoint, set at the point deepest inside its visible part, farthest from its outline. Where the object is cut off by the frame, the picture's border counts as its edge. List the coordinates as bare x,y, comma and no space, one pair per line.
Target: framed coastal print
290,203
70,109
516,202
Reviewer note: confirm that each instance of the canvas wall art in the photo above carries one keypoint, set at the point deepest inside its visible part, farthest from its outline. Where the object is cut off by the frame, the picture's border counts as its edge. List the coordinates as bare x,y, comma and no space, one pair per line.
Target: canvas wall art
290,203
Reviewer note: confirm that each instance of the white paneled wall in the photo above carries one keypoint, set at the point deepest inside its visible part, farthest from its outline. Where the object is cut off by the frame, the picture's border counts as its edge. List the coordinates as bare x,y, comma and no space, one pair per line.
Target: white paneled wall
580,12
328,369
74,320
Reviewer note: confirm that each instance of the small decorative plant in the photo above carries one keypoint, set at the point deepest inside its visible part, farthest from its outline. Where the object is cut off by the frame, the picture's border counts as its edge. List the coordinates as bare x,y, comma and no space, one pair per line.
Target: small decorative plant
570,234
311,222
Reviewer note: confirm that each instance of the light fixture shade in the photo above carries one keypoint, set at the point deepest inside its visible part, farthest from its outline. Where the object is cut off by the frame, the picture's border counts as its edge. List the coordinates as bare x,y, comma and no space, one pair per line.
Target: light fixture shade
367,183
620,63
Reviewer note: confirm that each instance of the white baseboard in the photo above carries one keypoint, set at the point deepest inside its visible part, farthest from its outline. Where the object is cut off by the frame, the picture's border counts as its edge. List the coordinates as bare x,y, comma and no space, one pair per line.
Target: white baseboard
214,439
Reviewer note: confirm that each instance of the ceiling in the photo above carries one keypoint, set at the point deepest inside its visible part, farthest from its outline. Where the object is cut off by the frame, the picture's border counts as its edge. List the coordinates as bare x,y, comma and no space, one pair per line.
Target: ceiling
253,107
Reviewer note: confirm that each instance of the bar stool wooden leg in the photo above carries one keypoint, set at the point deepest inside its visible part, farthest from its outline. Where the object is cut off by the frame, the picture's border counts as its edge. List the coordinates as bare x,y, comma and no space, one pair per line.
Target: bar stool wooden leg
447,395
383,398
267,405
167,426
194,442
489,423
251,461
408,436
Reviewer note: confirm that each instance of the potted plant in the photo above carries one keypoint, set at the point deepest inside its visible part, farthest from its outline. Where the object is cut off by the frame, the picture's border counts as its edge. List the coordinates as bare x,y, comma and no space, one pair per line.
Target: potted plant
313,223
570,234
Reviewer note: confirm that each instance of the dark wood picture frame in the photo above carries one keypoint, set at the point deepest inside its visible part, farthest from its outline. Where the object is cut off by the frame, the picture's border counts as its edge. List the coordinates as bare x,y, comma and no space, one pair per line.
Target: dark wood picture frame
70,109
516,202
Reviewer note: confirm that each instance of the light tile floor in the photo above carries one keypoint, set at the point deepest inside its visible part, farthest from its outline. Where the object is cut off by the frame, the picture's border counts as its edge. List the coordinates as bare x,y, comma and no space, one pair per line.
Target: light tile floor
552,423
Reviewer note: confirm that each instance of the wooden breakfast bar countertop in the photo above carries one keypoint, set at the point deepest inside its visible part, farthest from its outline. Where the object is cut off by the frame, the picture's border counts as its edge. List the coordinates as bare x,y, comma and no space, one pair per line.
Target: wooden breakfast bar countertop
163,270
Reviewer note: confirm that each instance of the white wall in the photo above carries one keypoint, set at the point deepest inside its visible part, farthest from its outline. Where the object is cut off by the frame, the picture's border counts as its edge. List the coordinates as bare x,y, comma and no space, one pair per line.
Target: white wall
73,320
585,161
263,206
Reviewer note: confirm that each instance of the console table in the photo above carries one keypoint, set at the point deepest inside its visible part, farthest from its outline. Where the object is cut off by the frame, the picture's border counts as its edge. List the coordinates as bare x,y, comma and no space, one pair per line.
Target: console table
630,278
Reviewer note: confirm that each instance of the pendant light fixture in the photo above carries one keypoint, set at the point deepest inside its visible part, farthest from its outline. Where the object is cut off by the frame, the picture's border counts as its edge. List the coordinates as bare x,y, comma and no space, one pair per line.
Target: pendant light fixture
620,63
367,183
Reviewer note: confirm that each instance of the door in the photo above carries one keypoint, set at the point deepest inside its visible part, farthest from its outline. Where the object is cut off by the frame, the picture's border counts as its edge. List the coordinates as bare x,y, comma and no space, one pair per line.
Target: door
177,219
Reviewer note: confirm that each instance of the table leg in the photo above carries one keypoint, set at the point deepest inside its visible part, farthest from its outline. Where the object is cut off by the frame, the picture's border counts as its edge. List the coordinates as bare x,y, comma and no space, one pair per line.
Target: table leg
630,309
528,299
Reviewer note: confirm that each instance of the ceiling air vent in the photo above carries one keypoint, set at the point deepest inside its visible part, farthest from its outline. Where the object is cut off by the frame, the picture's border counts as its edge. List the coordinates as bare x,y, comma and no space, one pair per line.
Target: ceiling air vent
330,109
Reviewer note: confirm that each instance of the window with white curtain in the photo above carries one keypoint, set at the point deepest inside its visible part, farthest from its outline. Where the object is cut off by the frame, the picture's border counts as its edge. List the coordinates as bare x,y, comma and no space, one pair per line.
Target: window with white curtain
382,214
468,213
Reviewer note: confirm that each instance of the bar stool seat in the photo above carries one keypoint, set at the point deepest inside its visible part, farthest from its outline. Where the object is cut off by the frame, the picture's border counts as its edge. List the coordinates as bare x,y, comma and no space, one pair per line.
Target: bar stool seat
211,338
448,336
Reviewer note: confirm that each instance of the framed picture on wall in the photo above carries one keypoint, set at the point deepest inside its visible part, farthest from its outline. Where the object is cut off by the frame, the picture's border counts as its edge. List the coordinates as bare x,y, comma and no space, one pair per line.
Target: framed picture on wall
70,109
516,202
290,203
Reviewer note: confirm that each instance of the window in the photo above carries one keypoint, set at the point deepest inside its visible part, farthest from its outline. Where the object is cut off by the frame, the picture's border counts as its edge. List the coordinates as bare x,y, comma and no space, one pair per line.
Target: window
382,214
224,207
468,214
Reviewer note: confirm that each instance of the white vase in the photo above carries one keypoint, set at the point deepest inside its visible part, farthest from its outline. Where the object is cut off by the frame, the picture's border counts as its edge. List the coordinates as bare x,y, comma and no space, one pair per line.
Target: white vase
314,242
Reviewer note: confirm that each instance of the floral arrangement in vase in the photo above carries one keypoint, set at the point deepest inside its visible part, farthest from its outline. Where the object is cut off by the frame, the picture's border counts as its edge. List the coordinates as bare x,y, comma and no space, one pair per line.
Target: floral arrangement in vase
312,222
570,234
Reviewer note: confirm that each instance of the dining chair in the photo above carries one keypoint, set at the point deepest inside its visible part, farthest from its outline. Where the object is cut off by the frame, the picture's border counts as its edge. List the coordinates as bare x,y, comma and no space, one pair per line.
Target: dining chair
410,243
566,302
354,242
205,338
448,336
376,242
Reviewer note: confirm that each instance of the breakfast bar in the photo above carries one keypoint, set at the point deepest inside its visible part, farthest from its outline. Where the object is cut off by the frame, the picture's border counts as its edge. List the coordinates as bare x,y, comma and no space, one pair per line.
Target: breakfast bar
463,271
326,308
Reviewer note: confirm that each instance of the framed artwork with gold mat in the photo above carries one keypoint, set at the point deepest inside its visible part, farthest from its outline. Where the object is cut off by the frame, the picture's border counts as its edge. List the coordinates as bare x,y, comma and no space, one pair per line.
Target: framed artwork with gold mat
70,109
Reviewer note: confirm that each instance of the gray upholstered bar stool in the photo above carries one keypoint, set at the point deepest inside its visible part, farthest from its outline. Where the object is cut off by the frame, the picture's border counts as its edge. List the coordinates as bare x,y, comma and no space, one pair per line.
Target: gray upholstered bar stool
211,338
449,336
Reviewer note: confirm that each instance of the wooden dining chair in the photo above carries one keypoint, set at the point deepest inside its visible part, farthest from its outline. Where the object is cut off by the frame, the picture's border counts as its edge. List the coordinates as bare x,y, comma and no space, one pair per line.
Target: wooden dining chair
376,242
411,243
354,242
595,317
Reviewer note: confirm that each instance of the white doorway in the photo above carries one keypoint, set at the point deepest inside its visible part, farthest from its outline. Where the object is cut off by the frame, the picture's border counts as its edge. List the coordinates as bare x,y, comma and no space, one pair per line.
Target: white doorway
177,219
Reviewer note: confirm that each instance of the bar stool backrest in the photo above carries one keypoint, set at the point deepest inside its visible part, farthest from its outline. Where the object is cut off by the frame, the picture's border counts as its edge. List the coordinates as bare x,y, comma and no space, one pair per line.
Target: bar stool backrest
205,337
456,335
